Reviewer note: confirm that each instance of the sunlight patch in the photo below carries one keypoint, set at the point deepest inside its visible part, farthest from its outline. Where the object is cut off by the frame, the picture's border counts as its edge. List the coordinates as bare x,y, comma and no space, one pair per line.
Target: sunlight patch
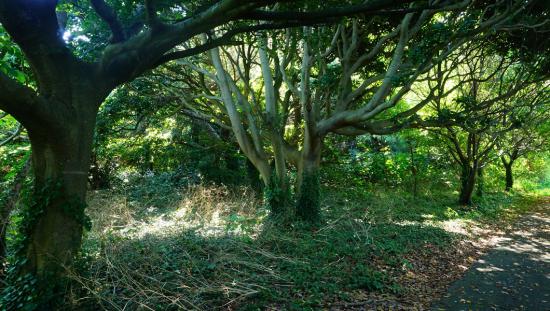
490,269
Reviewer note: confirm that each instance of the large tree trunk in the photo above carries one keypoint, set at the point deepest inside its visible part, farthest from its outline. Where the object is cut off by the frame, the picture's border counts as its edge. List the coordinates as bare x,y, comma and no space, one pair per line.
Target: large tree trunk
61,164
53,224
308,184
468,181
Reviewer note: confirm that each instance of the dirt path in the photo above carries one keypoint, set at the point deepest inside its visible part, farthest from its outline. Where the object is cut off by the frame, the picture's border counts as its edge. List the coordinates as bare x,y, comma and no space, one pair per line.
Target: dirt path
515,275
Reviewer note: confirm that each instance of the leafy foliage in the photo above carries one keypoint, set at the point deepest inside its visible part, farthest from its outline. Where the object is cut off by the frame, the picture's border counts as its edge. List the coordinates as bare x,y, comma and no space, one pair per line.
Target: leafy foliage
403,104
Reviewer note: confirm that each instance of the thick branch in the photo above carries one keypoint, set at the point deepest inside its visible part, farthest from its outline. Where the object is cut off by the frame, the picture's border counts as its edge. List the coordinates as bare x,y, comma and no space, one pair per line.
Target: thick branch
123,62
109,16
151,13
371,7
18,100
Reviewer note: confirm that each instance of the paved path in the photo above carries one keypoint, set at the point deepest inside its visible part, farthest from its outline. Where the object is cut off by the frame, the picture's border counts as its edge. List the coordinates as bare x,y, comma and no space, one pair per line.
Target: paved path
515,275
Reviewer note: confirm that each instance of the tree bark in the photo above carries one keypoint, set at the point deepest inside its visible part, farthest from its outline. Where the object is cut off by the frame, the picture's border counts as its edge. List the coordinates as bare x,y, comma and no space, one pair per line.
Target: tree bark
280,198
280,194
509,177
308,185
61,163
53,223
468,181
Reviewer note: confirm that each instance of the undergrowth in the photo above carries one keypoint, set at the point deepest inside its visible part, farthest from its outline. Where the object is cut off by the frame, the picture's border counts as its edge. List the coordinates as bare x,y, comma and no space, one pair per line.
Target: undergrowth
212,248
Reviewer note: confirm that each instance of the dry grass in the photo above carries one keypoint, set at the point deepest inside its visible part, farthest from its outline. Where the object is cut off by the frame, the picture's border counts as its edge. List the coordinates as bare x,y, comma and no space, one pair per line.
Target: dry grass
207,250
211,205
208,207
138,257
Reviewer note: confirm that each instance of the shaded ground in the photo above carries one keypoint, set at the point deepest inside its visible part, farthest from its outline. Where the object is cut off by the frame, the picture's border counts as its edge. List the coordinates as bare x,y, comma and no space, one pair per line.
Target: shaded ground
515,275
209,249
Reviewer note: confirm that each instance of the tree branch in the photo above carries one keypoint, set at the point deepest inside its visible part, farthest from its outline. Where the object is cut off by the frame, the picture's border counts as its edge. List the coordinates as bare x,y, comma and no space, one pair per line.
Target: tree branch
151,14
12,136
109,16
371,7
18,100
225,39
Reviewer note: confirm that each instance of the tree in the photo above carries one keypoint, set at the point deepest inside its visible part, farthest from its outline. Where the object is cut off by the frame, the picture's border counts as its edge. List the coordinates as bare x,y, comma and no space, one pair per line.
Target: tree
345,80
143,126
530,136
487,90
59,112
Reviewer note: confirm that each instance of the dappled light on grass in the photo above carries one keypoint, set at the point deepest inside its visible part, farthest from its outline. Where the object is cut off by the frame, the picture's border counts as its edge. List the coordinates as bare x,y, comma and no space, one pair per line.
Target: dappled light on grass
174,259
212,248
208,210
209,250
458,226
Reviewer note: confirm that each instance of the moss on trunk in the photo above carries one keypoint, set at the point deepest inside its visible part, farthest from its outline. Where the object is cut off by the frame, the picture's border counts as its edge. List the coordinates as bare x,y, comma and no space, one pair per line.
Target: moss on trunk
309,196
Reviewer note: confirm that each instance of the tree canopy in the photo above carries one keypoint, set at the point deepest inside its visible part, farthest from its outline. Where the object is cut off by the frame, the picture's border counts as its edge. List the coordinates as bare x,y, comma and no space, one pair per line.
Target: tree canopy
285,95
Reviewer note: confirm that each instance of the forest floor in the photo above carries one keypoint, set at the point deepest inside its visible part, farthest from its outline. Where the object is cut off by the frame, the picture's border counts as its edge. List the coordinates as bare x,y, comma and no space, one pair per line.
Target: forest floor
497,263
210,248
514,275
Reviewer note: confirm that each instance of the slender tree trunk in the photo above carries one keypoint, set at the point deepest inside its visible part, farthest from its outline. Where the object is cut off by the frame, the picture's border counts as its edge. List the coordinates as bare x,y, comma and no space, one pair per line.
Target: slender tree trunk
414,171
509,182
308,184
480,182
509,177
250,146
468,181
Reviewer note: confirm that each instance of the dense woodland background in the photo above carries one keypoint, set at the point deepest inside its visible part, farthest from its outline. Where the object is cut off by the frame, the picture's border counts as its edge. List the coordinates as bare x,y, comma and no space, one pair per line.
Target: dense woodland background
258,155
